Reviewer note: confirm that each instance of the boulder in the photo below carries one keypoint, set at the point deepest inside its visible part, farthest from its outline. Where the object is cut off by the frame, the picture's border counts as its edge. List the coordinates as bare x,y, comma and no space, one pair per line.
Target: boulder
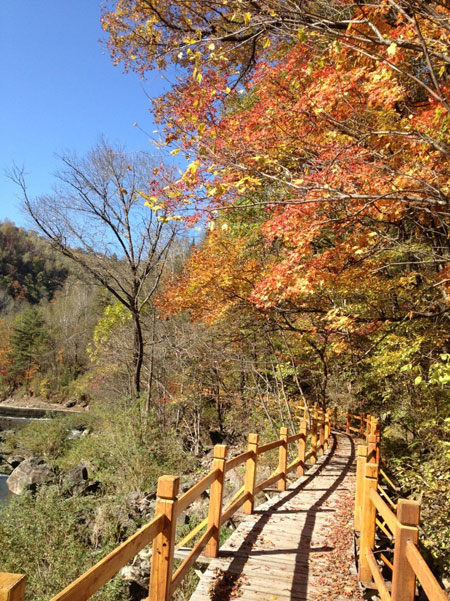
77,475
70,403
137,576
74,434
15,460
29,474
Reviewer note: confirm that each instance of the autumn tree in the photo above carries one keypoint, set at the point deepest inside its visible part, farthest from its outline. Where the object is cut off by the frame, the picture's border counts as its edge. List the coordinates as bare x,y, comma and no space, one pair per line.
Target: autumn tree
97,218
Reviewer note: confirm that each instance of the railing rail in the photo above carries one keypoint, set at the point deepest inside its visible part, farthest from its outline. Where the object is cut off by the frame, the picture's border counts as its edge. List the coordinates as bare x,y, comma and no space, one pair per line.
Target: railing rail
315,427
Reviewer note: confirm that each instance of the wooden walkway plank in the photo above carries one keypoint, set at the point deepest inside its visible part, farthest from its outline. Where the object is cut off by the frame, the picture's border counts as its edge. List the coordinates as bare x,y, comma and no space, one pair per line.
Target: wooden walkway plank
296,545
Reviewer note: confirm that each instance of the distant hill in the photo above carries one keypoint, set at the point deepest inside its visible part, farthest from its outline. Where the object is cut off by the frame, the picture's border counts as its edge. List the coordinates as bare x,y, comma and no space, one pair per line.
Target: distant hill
29,269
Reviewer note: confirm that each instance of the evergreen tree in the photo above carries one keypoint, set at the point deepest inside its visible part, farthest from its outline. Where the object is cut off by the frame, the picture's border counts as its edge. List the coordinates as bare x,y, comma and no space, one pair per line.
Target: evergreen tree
28,340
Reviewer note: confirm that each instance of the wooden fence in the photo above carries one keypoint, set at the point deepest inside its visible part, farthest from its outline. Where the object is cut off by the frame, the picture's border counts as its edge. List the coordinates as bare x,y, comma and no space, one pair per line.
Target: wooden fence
313,436
161,531
399,523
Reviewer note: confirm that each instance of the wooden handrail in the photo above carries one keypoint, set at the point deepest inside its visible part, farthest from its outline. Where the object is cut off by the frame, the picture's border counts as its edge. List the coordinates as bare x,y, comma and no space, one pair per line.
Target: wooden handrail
88,583
378,577
204,523
385,511
408,563
384,494
268,481
231,464
269,446
424,575
190,559
195,491
388,480
233,507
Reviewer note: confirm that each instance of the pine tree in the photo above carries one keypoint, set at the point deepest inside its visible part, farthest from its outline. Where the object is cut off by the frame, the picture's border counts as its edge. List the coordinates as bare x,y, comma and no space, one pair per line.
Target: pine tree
28,340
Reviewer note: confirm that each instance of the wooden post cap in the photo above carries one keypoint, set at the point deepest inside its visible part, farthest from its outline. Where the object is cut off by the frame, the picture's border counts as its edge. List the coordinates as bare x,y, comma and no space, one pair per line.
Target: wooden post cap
168,487
253,438
283,431
220,451
408,512
12,587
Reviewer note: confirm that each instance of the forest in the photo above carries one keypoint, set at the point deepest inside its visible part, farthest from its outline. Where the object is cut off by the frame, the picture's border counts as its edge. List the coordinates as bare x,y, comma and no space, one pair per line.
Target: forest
294,247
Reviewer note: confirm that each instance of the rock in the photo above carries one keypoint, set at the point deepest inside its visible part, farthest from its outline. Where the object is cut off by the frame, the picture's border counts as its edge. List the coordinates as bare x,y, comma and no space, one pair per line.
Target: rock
5,467
29,474
137,576
70,403
78,475
74,434
15,460
77,481
141,504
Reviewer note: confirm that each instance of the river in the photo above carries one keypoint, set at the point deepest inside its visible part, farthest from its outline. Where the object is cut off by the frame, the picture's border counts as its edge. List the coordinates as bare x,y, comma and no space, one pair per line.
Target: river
4,491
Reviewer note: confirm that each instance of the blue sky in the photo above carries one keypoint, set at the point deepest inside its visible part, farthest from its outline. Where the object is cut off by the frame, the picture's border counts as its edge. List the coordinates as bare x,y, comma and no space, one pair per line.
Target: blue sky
60,91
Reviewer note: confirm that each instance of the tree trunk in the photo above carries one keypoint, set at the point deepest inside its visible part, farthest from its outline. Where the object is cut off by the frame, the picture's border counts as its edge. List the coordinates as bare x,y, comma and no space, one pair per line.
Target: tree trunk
138,354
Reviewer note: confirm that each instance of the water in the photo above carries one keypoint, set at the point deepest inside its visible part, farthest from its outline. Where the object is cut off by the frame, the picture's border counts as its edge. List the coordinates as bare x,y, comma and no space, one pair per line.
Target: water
4,491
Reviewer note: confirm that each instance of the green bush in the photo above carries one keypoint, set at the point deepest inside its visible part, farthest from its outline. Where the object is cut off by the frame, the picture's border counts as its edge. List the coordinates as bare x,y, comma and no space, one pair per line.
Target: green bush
47,537
127,449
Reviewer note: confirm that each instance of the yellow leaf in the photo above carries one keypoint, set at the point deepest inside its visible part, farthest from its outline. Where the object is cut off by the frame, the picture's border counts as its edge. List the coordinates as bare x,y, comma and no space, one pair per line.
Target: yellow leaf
175,151
392,49
247,18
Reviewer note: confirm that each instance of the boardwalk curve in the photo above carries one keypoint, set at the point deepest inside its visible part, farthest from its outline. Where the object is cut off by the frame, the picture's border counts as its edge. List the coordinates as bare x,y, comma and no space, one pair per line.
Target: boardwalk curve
283,550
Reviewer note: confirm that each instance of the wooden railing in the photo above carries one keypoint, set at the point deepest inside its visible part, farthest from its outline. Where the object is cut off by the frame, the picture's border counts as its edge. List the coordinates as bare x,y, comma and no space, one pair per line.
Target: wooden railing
161,531
400,525
315,430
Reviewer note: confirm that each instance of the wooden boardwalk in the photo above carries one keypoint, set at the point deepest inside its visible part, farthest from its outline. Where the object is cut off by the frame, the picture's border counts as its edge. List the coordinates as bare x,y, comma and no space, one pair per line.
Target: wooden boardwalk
298,545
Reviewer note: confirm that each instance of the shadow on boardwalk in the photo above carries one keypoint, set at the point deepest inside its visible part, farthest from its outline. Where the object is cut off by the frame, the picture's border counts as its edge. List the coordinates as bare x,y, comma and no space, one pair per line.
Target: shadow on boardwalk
282,571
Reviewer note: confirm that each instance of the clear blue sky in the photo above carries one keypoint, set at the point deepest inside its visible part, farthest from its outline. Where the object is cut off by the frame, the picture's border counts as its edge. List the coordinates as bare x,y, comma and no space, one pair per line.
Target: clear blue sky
59,91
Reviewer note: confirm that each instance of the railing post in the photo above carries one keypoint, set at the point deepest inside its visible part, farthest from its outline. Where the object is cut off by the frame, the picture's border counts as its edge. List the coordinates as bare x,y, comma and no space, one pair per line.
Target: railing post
372,448
322,435
335,418
368,425
302,448
327,428
367,524
250,474
347,425
12,587
362,424
314,442
164,543
403,576
378,439
360,471
215,500
282,459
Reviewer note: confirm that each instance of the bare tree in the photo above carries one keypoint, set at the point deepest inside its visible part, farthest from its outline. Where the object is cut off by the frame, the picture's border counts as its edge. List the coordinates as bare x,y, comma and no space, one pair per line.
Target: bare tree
97,217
